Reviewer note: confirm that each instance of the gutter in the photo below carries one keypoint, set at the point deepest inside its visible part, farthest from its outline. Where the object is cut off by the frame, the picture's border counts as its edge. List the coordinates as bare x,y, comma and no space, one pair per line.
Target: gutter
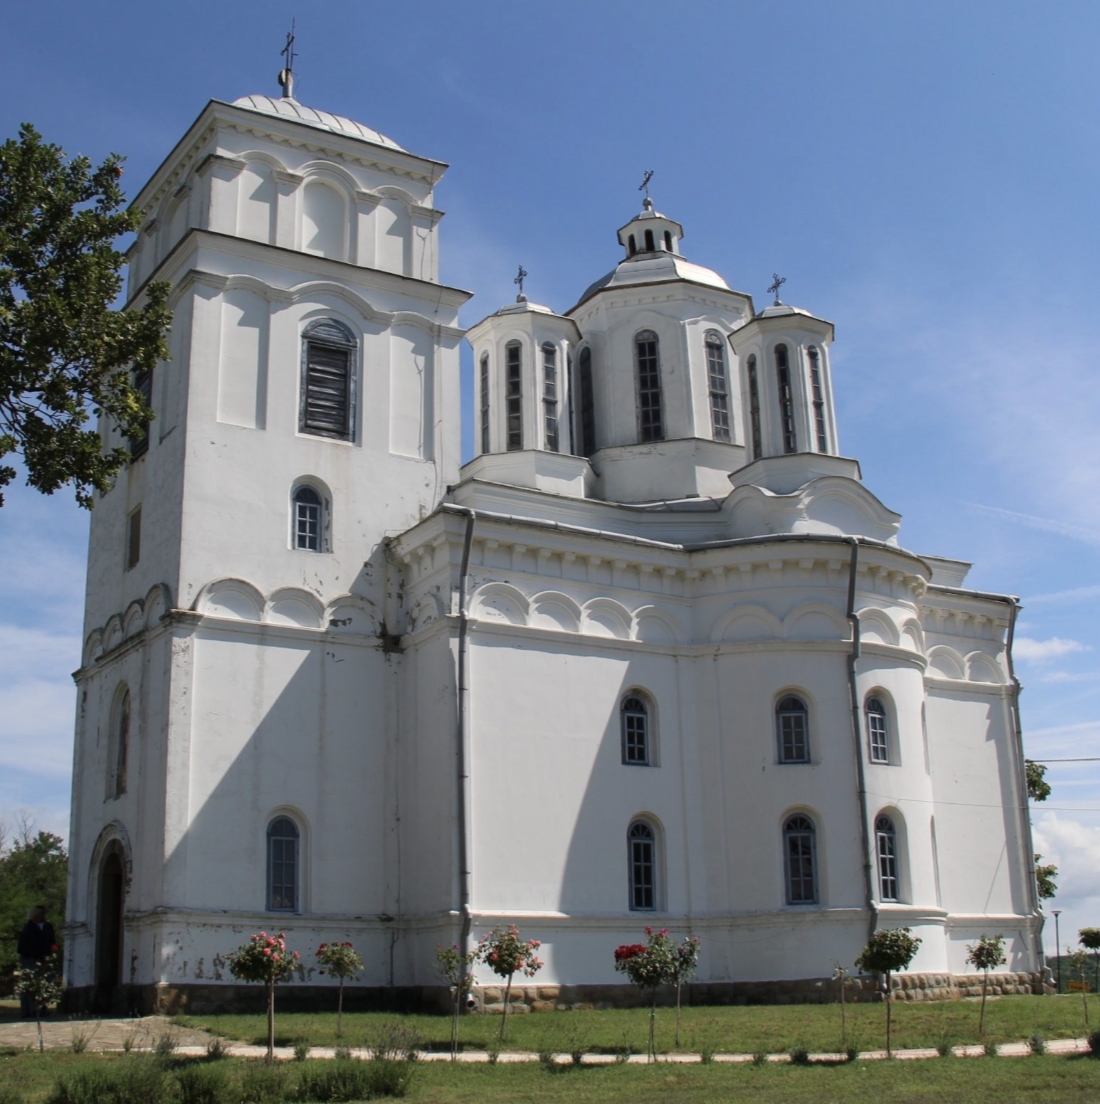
1021,782
462,749
857,736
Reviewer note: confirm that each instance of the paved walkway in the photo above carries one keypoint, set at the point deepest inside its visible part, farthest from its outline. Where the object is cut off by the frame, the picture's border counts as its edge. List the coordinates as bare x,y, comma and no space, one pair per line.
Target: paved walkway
143,1034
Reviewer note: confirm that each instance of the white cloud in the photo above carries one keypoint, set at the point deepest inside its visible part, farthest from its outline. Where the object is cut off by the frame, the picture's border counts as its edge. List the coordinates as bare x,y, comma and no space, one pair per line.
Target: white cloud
1067,677
1077,594
1046,525
1074,848
1038,651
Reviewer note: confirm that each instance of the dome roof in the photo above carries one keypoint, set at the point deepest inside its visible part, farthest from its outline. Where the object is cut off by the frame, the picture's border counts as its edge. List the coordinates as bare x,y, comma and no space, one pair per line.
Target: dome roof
655,268
323,120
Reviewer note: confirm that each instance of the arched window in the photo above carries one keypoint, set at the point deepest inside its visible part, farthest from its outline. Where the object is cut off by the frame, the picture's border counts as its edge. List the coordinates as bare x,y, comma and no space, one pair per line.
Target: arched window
282,865
308,518
877,734
634,722
483,384
513,360
550,396
668,240
120,745
328,380
647,363
818,392
649,246
786,399
886,844
588,403
793,730
800,860
631,246
642,846
719,386
754,410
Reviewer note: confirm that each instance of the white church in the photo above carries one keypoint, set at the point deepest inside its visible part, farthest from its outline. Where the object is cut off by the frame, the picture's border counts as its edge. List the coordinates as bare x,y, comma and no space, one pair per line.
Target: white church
654,656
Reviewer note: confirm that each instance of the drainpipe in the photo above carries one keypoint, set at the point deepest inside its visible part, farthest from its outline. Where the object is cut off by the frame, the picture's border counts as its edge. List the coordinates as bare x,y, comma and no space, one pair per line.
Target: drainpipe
462,751
1021,782
857,735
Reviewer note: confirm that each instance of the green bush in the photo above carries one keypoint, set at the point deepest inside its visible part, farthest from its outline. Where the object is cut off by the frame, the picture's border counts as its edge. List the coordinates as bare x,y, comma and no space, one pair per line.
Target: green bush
354,1080
262,1083
202,1084
138,1081
1094,1044
11,1095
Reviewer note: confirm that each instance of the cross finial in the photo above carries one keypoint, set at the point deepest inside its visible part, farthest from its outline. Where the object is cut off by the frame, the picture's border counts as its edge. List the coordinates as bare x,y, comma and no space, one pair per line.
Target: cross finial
521,275
777,282
286,75
644,186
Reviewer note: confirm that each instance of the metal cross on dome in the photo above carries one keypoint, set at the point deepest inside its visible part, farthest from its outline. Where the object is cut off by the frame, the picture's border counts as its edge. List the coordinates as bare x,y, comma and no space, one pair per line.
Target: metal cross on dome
644,186
286,76
521,275
777,282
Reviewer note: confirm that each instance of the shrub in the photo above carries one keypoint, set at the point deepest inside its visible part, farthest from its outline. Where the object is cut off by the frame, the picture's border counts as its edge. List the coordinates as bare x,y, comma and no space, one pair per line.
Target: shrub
301,1051
263,1083
395,1041
454,968
202,1084
354,1080
985,955
9,1094
798,1055
136,1082
264,958
991,1050
1037,1044
887,951
165,1046
1094,1043
851,1053
506,954
342,1053
759,1057
342,961
945,1048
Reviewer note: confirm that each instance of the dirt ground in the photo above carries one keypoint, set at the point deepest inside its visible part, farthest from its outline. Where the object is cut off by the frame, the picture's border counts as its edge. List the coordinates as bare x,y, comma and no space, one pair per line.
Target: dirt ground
59,1031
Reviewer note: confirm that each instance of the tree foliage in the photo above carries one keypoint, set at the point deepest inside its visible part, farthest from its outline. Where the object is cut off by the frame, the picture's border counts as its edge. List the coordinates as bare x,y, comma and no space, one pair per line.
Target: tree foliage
65,355
33,871
1045,873
888,950
985,955
1038,789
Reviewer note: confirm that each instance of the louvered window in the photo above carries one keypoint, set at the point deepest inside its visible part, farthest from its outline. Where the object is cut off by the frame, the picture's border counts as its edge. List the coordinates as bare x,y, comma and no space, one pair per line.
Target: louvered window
754,410
550,396
719,390
786,399
513,360
647,363
483,384
328,379
818,391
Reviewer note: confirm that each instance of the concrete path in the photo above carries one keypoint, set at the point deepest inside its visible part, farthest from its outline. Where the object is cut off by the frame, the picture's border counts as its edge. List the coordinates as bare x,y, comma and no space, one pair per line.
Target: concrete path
144,1034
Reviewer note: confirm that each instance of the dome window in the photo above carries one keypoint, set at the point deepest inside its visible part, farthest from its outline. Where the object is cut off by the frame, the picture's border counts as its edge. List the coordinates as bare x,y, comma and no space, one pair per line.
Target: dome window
633,247
513,358
818,398
786,399
754,409
668,240
649,246
718,386
550,396
588,403
648,366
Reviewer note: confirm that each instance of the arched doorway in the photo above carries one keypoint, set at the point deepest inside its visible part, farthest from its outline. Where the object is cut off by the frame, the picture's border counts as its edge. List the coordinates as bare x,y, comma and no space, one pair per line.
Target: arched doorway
108,946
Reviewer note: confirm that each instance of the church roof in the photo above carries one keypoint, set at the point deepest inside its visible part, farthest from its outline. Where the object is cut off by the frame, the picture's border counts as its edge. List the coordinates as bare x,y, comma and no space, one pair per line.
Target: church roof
323,120
655,268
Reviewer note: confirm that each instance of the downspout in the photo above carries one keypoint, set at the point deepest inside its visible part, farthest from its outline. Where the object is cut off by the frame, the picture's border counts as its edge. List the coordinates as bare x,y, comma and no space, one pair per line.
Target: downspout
462,751
1021,782
857,735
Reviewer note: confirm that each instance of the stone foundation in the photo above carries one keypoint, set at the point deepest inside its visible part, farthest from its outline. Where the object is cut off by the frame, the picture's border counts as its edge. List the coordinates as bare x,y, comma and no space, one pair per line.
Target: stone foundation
172,1000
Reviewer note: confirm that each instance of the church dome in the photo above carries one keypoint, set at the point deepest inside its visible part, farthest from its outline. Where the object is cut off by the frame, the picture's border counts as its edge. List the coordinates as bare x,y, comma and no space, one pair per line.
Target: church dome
655,268
323,120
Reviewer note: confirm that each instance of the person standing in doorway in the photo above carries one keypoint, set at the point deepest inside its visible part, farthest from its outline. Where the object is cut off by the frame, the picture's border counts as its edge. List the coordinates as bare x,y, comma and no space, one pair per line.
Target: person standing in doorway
36,944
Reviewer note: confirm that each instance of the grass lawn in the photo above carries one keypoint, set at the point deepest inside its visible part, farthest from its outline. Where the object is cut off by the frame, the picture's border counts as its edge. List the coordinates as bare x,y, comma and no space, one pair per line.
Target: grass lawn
1053,1080
772,1028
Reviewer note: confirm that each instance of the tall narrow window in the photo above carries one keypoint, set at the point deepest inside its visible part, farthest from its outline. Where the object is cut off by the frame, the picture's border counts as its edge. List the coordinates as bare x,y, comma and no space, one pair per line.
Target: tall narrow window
120,767
632,246
792,730
668,240
800,860
133,538
588,403
649,246
513,360
786,399
646,357
282,865
634,718
143,384
886,843
754,409
643,862
877,737
327,381
818,393
308,510
719,387
483,383
550,396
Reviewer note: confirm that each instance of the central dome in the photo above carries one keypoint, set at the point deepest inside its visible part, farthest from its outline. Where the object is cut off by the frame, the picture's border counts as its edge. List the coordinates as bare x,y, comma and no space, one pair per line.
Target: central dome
322,120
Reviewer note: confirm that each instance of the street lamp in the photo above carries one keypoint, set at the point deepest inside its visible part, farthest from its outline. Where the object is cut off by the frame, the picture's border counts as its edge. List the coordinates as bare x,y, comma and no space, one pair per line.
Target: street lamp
1057,946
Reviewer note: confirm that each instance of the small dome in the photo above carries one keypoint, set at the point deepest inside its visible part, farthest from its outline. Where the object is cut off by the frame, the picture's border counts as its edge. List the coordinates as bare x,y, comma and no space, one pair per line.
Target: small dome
655,268
323,120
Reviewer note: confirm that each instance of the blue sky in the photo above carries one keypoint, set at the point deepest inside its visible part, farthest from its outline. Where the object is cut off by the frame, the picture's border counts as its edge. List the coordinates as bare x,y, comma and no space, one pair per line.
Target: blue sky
924,174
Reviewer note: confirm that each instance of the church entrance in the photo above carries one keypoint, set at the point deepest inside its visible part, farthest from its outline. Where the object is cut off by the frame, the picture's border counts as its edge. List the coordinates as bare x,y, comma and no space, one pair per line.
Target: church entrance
108,948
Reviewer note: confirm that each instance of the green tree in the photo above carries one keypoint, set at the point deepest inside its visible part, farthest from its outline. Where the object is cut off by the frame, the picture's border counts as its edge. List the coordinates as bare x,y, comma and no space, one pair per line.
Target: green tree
888,951
1037,788
985,955
33,871
65,355
1045,873
1090,938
